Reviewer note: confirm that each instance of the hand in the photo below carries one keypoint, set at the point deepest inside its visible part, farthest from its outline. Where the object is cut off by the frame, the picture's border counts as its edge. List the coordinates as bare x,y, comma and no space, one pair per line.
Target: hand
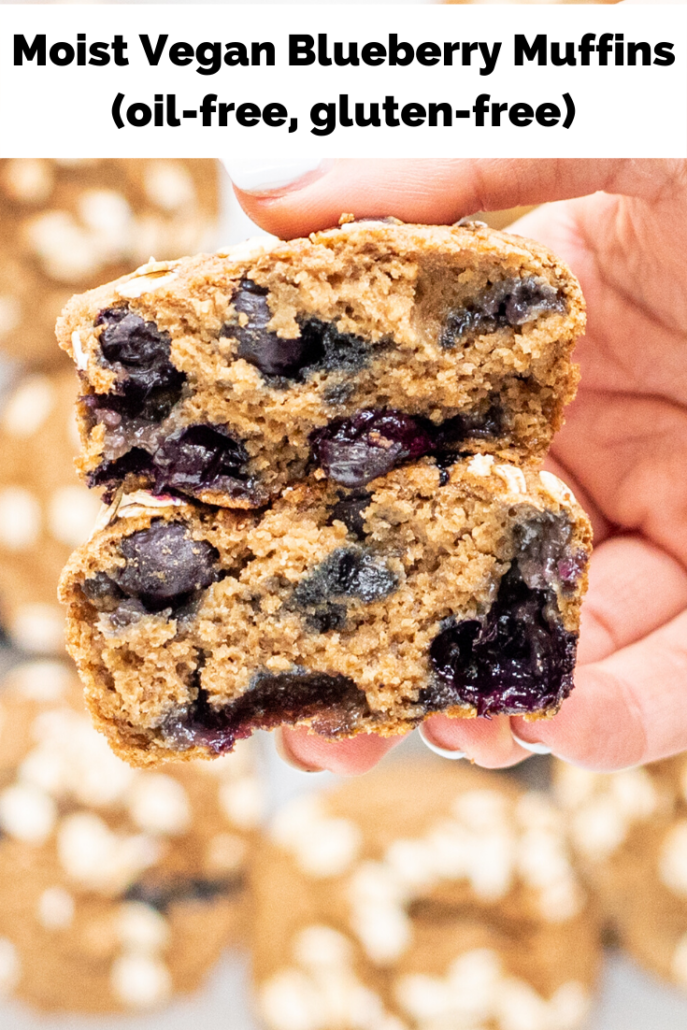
623,449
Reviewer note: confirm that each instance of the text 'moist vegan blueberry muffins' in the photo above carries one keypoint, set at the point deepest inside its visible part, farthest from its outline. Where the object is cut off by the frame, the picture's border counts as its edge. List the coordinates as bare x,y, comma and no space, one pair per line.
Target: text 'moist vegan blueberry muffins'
322,462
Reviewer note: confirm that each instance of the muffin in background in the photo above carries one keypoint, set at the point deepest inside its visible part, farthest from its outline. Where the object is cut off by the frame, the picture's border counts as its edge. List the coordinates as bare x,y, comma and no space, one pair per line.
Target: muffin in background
68,225
120,888
630,831
45,512
418,897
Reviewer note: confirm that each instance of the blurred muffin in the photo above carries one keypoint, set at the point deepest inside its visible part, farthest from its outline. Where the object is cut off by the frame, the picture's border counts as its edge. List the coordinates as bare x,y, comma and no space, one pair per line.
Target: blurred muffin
120,888
421,897
45,512
630,830
72,224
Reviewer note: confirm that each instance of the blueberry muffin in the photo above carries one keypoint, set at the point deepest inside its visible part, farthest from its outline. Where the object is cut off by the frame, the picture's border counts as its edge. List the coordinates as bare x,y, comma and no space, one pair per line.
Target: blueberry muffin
120,888
433,589
226,378
421,897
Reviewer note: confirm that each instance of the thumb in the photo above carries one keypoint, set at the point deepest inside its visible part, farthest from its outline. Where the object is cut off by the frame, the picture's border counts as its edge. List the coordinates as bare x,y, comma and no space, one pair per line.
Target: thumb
426,190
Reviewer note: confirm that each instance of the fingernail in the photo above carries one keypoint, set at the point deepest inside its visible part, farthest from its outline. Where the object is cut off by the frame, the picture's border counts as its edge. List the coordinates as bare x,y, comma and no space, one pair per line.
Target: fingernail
287,756
443,752
536,749
269,176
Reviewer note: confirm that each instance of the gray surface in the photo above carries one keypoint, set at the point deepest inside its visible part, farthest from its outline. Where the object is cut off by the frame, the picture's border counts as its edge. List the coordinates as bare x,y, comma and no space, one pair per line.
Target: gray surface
634,1000
223,1004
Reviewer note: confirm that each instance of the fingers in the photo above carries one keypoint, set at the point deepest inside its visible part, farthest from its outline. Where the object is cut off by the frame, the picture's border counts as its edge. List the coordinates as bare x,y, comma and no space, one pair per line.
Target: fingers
631,678
625,710
634,341
635,607
312,753
438,191
630,454
488,742
601,527
634,588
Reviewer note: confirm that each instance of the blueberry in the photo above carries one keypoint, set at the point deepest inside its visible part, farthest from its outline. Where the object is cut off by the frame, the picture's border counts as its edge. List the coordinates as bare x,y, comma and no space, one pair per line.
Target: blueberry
355,450
140,354
130,407
327,617
510,302
127,613
570,568
164,565
541,544
99,410
350,509
352,451
200,457
161,893
463,322
110,474
203,725
196,459
332,703
348,572
444,463
476,425
518,301
271,354
102,591
338,393
130,341
319,346
333,351
519,659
